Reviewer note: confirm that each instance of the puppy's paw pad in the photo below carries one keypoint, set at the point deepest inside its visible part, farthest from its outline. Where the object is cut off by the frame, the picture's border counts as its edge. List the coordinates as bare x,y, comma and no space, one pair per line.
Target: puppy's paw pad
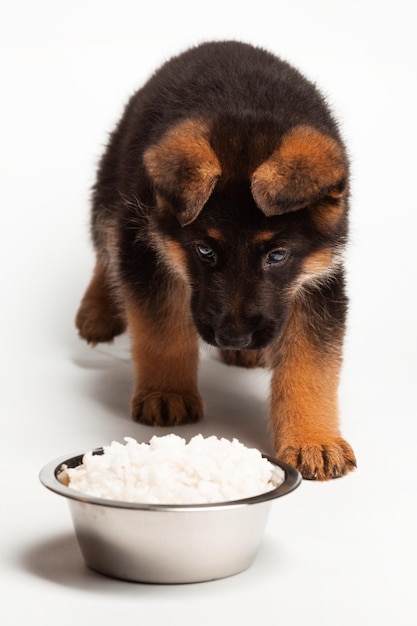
332,459
166,408
98,325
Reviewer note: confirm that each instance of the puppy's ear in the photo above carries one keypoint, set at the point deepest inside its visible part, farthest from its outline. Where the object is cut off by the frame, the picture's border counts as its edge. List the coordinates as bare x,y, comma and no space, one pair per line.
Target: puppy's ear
307,167
184,169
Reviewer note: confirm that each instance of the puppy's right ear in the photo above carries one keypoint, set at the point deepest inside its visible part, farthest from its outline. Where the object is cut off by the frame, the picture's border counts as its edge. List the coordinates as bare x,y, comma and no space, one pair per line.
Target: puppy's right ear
184,169
307,167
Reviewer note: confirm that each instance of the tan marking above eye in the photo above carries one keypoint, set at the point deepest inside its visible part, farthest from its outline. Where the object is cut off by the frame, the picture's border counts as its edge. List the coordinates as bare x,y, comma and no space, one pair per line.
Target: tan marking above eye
215,233
264,236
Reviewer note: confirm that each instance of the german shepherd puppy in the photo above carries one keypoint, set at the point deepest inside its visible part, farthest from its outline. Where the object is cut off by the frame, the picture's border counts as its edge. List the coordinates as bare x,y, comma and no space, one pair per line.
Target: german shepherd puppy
220,211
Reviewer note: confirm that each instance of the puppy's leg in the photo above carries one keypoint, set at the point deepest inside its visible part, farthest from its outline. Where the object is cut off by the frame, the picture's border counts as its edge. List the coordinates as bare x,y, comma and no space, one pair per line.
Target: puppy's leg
99,318
304,413
165,353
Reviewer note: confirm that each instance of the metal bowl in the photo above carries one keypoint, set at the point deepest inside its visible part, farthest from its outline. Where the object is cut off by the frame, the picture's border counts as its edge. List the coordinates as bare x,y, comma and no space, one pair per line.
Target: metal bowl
167,543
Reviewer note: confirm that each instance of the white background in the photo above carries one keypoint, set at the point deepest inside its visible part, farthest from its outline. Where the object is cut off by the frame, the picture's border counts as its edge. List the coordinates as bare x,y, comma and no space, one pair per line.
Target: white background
339,553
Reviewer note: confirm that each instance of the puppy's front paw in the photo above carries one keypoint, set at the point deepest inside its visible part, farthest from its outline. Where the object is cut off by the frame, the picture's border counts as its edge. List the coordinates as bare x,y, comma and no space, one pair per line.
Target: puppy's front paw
97,324
166,408
332,459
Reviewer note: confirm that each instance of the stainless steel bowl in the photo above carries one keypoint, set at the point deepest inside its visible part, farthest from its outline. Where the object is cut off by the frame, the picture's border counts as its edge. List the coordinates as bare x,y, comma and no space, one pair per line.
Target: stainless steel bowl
167,543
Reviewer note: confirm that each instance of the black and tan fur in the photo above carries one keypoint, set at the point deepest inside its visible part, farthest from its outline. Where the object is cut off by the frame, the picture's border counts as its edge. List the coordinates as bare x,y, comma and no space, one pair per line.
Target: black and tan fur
220,212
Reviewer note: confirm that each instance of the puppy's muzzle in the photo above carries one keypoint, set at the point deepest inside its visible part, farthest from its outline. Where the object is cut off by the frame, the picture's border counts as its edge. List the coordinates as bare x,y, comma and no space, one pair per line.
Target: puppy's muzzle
229,341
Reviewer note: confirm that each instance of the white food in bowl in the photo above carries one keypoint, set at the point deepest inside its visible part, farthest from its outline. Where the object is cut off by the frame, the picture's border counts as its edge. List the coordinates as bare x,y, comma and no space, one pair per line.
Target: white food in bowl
167,470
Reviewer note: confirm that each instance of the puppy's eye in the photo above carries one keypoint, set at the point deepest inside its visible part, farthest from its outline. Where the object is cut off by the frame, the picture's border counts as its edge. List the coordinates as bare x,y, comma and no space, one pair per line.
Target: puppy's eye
275,257
206,253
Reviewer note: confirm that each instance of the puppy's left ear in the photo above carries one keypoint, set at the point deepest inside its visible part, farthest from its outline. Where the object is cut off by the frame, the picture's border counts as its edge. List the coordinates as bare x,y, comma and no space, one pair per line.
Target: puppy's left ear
308,166
184,169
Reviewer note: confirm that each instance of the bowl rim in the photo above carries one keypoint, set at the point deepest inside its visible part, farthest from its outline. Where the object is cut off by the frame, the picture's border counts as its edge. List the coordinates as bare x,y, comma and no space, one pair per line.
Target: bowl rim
48,476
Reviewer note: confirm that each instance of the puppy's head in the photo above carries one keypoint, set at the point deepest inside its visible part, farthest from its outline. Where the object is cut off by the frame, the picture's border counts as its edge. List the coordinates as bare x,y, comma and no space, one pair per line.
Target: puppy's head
248,244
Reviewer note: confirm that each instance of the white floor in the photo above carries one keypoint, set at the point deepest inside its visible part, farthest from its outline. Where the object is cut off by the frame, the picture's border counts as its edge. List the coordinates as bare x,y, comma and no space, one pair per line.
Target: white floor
339,553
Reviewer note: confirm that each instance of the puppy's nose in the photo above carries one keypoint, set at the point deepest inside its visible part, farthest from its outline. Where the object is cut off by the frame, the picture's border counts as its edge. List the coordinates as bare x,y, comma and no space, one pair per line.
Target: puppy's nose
227,341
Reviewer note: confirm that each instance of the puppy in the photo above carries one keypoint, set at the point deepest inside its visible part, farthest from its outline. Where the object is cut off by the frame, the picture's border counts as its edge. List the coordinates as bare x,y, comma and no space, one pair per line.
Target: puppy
220,211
